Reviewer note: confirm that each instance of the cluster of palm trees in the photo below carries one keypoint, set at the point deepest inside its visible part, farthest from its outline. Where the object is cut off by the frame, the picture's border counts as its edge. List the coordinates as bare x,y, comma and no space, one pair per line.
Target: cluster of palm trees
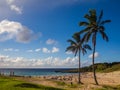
93,26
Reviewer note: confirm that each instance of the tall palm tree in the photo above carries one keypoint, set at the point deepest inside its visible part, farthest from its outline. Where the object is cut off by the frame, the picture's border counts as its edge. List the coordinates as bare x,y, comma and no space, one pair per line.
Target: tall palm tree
94,26
77,46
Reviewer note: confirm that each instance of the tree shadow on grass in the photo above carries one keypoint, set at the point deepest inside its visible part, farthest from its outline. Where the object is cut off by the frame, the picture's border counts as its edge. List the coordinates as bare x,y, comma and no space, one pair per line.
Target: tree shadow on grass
29,85
111,87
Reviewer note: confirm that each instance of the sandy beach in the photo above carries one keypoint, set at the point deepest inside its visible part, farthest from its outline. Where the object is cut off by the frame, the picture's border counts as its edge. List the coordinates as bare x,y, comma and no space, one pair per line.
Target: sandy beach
111,79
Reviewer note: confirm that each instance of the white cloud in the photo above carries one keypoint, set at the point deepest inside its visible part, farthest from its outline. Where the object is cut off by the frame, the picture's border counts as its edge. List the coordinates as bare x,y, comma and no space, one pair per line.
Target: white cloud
37,50
8,7
34,50
16,9
13,7
49,62
95,55
54,50
68,52
44,5
51,41
15,30
10,1
30,51
10,49
16,50
45,50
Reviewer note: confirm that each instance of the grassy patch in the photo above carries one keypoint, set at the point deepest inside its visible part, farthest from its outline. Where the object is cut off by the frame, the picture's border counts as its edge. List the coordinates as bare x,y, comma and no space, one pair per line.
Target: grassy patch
68,86
13,84
109,88
60,83
113,68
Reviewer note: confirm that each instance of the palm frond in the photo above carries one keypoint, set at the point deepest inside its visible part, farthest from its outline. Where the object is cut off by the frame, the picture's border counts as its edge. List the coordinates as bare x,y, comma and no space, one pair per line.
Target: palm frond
93,17
106,21
88,36
84,51
85,30
86,46
76,37
71,42
76,50
70,48
87,16
100,17
92,12
83,24
101,28
105,37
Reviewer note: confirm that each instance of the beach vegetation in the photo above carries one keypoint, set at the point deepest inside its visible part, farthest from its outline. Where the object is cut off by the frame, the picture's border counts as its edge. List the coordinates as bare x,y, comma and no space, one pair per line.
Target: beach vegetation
61,83
100,67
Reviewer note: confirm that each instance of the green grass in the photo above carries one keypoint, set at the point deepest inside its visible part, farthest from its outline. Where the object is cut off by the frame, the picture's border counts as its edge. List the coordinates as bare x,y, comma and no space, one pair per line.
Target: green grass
113,68
60,83
109,88
67,85
7,83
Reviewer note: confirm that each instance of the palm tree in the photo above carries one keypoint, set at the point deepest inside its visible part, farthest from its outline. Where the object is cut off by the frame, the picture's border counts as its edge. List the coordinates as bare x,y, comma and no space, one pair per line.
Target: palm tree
77,46
94,26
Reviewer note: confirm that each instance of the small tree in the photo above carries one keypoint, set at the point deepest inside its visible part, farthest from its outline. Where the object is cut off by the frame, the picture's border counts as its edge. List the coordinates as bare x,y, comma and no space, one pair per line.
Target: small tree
77,46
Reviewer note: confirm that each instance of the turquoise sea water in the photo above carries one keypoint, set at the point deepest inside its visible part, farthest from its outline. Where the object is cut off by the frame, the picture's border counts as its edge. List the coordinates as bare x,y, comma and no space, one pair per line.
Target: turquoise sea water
33,72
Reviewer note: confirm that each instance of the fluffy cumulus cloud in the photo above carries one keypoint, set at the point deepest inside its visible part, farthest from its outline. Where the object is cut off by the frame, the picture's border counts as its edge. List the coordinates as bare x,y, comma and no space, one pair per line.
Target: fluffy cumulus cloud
96,55
7,61
54,50
15,30
45,50
51,41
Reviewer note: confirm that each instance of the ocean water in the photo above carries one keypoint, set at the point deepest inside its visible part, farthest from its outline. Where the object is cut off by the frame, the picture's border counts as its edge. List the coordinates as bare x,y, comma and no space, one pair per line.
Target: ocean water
33,72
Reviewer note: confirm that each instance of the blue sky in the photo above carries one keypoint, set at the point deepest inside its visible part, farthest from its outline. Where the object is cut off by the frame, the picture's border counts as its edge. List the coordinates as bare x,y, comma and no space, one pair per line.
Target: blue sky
33,33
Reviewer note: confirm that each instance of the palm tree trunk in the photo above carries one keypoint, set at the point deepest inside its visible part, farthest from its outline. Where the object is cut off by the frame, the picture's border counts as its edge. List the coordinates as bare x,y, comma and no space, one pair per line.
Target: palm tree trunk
94,73
79,81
